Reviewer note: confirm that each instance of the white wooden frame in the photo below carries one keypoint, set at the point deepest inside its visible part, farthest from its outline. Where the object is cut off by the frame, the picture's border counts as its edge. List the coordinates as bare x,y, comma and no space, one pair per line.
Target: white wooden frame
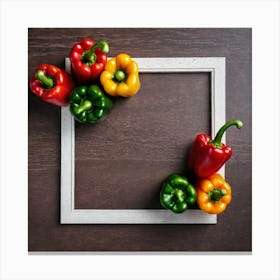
69,215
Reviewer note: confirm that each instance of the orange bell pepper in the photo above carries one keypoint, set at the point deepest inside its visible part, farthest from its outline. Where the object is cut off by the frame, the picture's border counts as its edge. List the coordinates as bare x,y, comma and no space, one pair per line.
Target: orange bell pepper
213,194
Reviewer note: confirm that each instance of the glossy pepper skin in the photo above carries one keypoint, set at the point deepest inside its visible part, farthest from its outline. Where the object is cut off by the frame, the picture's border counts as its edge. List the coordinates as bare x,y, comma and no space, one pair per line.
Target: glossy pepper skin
88,104
213,194
120,76
52,84
207,156
177,194
88,59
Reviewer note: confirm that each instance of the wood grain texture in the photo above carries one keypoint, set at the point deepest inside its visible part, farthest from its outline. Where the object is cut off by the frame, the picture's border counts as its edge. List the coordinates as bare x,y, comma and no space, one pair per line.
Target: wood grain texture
136,142
121,162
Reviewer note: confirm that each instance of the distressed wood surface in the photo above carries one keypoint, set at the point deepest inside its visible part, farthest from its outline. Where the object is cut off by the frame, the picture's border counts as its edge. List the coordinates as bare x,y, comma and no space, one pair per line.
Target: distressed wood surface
136,140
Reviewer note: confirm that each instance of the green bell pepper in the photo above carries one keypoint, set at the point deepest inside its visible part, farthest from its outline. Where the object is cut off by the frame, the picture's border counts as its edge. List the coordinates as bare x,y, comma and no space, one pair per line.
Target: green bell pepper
89,104
177,194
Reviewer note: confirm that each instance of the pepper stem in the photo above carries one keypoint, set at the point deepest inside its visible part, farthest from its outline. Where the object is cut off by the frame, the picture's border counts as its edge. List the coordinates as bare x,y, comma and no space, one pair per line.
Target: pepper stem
215,195
89,56
120,75
103,45
217,141
85,106
180,195
46,82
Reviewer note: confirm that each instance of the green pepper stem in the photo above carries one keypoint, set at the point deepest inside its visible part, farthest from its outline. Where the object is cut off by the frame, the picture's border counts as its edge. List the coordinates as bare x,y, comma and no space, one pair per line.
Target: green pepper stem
215,195
179,194
120,75
89,56
100,44
217,141
46,82
85,106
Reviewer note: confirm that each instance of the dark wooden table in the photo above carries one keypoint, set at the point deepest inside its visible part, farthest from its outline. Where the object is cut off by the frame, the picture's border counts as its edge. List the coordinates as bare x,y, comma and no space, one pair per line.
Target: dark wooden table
133,158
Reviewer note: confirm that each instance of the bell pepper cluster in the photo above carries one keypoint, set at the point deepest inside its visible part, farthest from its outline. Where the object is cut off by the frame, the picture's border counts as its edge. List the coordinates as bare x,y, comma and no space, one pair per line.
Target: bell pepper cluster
93,81
209,191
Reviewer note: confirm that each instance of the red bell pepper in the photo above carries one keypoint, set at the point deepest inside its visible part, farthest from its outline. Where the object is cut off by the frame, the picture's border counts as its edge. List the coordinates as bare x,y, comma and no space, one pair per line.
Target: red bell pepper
207,156
52,84
88,59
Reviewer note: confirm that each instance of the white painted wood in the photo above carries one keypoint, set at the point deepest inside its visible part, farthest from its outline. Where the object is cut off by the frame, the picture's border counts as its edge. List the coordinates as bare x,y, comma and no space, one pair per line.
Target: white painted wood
69,215
138,216
67,163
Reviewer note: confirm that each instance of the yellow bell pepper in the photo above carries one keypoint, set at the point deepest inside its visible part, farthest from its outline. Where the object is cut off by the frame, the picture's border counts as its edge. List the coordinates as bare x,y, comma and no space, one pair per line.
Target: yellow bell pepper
213,194
120,76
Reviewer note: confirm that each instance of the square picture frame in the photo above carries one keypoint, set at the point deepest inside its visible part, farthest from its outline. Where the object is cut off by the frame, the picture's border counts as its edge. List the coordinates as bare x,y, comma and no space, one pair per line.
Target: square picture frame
215,66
